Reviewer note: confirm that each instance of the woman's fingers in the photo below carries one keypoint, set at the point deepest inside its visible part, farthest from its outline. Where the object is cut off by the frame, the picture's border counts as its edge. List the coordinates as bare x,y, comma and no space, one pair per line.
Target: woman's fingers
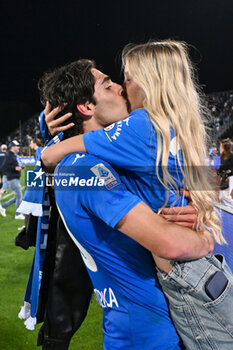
181,218
50,115
64,128
60,120
47,108
55,125
189,209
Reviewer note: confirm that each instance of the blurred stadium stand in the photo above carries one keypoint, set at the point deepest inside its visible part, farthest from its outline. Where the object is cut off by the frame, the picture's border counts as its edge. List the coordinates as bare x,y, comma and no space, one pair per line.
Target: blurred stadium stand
227,228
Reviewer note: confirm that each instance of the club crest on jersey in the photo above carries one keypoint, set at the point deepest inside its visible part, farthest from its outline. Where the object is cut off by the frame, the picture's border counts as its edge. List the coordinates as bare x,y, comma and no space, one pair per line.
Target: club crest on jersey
110,127
118,129
103,173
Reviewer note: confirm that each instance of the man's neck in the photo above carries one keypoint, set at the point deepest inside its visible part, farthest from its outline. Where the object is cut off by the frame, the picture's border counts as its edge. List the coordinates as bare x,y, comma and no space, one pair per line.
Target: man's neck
91,124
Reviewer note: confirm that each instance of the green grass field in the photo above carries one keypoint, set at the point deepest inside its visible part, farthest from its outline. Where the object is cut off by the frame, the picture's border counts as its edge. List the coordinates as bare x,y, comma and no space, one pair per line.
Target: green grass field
15,264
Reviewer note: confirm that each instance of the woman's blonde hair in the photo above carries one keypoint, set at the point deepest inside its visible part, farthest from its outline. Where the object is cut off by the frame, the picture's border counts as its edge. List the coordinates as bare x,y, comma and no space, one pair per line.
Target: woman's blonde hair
164,72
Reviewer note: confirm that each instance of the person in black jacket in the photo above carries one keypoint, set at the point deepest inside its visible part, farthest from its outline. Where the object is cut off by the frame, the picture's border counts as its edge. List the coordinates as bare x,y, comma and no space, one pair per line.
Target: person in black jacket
13,170
3,150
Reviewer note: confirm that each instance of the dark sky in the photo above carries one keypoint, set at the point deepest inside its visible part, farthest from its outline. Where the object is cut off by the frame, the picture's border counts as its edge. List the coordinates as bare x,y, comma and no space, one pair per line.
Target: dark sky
38,35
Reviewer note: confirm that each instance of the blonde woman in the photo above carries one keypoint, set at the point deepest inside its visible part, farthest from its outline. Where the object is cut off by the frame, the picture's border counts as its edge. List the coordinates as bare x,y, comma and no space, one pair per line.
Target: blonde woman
157,150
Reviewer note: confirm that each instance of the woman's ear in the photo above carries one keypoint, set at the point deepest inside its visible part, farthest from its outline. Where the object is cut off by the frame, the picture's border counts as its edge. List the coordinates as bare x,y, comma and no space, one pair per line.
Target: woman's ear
87,108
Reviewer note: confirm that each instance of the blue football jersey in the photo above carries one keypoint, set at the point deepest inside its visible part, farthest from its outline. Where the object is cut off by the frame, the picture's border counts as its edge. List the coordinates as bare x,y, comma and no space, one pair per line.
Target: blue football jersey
91,200
130,146
38,153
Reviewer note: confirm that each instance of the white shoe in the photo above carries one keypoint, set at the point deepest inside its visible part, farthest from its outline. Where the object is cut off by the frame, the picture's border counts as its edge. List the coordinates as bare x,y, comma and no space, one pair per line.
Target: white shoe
2,211
19,217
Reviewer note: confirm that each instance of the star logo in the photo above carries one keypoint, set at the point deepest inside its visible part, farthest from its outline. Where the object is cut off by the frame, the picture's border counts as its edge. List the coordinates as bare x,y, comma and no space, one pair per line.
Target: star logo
38,174
35,178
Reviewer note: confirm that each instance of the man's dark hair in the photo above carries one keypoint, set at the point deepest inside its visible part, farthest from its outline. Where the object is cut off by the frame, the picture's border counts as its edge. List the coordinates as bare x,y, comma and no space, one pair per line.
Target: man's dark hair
71,84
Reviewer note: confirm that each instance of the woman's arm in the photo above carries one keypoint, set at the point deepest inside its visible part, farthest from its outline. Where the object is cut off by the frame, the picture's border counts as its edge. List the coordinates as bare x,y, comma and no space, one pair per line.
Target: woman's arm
54,154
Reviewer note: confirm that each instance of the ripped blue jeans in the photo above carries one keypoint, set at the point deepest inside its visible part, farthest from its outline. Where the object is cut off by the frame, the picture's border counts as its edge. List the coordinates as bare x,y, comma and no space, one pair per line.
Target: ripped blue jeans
201,322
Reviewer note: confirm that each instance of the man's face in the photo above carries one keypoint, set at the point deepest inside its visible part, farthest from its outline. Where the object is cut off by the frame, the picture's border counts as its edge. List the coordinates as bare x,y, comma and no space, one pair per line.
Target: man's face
111,105
32,145
15,149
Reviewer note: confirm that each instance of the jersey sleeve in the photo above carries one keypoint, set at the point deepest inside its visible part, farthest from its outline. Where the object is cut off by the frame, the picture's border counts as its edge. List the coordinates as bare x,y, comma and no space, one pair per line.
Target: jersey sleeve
111,205
122,144
103,195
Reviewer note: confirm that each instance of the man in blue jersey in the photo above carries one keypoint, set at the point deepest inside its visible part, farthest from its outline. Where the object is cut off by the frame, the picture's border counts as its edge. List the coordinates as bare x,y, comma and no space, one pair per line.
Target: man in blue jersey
114,230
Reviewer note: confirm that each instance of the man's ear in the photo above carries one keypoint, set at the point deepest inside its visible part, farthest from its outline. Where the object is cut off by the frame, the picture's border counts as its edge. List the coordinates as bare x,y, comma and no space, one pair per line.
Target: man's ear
86,108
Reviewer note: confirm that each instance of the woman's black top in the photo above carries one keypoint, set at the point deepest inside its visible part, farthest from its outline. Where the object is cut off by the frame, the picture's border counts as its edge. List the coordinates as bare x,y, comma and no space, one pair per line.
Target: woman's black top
226,164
